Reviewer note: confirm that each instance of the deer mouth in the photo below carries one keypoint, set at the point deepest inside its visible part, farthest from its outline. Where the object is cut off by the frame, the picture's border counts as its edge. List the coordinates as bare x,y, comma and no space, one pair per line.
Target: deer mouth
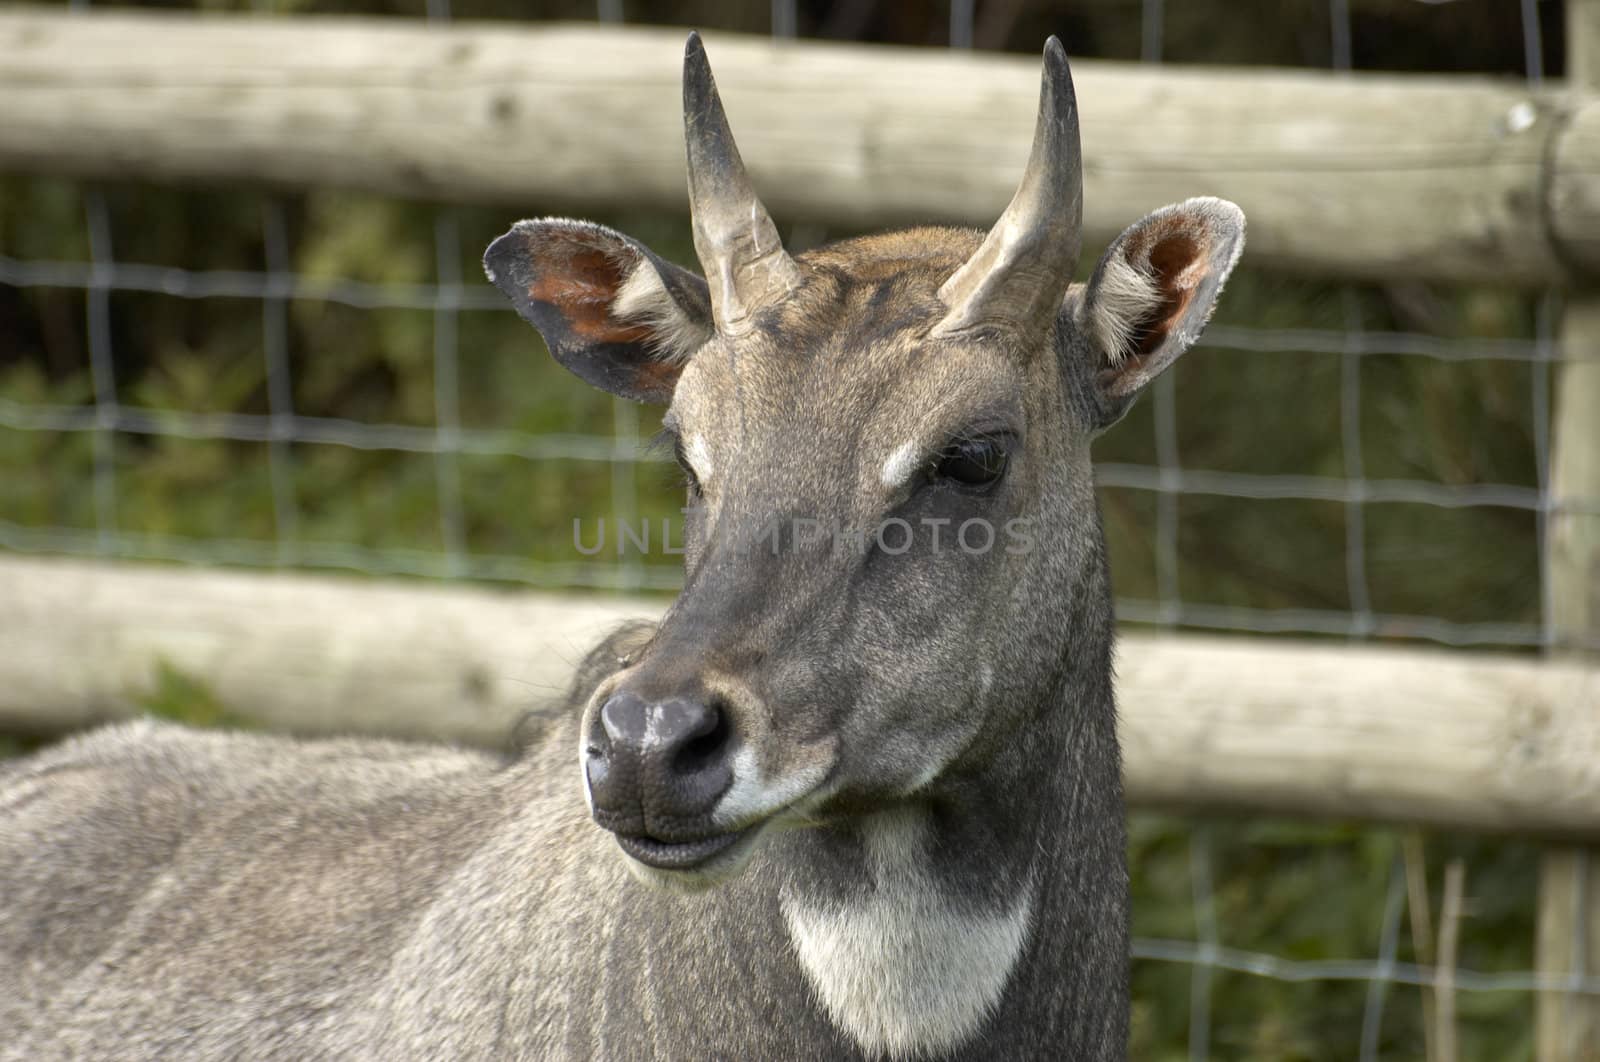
679,855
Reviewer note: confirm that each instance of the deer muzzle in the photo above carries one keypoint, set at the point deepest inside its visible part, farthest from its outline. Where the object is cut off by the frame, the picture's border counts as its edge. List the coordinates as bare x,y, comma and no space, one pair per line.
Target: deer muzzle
655,771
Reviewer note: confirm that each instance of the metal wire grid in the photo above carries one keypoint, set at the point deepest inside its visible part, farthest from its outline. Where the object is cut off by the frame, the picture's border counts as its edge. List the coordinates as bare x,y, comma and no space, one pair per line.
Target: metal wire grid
1206,955
277,285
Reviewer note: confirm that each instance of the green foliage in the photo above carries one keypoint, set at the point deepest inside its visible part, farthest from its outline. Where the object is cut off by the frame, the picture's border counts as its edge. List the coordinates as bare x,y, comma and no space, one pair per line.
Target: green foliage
1310,892
182,698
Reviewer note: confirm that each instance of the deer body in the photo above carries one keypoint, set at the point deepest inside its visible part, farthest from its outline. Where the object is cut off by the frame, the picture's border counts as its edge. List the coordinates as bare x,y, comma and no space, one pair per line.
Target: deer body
275,899
843,802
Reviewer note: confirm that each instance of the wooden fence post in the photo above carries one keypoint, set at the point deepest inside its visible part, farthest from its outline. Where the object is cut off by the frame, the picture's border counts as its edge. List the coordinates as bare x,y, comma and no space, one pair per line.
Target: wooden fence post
1568,941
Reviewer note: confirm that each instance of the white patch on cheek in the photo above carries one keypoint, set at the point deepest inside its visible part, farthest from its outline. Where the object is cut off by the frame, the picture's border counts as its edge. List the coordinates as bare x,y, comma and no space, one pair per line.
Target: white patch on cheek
699,455
985,679
750,798
897,470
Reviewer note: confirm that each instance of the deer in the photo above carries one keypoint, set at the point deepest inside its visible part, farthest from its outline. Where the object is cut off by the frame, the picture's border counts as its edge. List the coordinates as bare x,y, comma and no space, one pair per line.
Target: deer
850,798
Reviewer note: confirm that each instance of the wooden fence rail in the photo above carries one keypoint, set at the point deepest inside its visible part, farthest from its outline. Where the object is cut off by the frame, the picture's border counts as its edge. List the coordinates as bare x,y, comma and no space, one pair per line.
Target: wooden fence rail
1402,735
1378,177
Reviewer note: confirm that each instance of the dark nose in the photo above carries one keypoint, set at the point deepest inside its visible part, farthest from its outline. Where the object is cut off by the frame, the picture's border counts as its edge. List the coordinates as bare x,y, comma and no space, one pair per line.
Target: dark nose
656,768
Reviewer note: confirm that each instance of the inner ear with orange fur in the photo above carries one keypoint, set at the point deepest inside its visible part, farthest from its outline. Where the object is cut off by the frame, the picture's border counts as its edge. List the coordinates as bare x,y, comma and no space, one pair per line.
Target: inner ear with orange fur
1152,293
611,311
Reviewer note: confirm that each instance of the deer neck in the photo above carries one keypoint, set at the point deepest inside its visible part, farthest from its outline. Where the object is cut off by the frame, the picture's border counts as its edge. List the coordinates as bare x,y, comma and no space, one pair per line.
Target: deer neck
910,922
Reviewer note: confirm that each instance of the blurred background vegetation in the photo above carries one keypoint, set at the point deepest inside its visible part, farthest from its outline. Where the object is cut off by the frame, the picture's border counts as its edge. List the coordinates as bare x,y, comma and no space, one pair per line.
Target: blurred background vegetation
1293,889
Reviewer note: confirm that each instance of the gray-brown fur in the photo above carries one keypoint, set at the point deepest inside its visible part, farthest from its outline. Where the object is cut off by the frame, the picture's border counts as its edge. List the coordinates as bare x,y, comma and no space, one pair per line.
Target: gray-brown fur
939,870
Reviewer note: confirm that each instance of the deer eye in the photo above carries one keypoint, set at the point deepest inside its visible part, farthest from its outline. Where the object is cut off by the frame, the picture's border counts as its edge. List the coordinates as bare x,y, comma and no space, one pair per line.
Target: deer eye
974,462
691,480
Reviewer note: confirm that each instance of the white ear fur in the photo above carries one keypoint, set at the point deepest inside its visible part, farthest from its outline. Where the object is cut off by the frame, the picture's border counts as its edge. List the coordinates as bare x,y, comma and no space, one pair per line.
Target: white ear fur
1127,295
644,299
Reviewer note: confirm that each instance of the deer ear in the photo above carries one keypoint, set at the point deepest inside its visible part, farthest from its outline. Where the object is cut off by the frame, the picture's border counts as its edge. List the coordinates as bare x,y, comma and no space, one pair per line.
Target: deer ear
610,311
1152,294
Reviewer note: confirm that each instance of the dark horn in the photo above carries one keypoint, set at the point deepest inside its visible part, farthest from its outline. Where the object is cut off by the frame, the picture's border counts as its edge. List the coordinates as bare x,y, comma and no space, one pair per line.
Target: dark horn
1019,275
734,237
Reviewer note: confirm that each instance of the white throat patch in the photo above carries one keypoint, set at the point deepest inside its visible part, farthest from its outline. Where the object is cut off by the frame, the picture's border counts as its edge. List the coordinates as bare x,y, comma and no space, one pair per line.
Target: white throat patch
901,970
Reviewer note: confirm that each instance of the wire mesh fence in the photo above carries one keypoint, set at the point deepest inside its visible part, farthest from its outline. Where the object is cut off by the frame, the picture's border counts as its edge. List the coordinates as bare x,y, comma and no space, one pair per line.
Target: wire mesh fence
1158,471
1156,502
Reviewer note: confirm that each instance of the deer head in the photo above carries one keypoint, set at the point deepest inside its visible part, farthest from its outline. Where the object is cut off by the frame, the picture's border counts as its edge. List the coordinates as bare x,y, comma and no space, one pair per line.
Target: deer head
894,537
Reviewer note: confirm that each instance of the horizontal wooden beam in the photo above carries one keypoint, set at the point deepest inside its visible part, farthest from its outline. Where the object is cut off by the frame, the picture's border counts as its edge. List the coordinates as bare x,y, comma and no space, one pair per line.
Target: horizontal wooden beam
82,643
1368,176
1474,741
